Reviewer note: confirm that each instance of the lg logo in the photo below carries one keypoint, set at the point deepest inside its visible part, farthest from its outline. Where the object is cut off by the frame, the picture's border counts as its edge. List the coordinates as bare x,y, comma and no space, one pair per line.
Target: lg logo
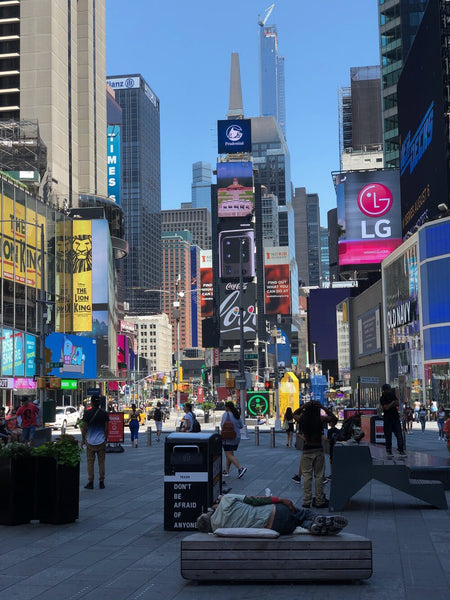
375,200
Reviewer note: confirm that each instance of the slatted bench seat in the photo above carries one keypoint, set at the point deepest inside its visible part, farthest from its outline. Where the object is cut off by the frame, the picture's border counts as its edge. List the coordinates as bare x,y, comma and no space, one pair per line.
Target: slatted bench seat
206,557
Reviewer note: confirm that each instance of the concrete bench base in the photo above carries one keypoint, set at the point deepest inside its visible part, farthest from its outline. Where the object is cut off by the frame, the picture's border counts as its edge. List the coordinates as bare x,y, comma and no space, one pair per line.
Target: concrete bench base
205,557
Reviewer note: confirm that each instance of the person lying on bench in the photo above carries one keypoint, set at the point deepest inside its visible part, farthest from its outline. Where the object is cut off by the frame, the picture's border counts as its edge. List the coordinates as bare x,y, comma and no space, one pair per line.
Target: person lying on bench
270,512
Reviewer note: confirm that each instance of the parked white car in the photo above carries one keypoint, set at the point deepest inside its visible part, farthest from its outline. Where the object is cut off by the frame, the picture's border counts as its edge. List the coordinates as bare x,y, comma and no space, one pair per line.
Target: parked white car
66,416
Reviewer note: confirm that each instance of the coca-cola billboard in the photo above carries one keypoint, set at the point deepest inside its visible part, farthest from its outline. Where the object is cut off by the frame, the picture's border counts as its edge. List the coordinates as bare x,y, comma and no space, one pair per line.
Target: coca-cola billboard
229,311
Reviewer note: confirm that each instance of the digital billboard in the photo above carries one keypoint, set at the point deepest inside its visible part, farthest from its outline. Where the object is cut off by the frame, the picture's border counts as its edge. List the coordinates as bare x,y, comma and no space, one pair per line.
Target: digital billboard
422,125
194,296
234,136
277,294
20,248
113,163
17,352
369,332
229,311
369,216
206,284
77,353
82,275
235,193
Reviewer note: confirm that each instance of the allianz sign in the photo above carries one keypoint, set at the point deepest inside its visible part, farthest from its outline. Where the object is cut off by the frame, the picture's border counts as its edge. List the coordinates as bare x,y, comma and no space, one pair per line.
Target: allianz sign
400,315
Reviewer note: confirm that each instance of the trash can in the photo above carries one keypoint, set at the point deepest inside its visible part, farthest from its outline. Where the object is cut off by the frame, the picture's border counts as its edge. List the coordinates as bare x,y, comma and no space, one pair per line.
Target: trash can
49,411
373,428
192,477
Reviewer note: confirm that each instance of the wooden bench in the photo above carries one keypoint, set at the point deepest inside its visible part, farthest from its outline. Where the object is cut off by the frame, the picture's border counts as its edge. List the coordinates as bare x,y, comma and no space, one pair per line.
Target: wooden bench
206,557
354,466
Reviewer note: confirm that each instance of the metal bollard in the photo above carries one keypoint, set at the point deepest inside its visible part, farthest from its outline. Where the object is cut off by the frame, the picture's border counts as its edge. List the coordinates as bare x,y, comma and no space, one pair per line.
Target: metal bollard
256,435
149,436
217,429
272,437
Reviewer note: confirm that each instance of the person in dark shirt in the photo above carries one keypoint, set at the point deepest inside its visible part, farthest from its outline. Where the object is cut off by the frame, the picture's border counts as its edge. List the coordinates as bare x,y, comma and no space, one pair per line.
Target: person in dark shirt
391,420
94,435
312,463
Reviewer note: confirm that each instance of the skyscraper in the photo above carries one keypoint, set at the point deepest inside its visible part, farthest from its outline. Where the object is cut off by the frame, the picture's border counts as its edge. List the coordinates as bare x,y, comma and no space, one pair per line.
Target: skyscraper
307,236
271,74
399,21
360,120
141,189
195,220
201,185
53,69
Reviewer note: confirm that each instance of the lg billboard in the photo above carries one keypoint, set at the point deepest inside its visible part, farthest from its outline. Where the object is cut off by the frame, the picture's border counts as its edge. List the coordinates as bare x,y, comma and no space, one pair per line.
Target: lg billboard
422,125
369,216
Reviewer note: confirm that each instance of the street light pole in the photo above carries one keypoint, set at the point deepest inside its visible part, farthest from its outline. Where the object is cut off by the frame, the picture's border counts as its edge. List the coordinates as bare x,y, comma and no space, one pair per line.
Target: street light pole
274,333
242,386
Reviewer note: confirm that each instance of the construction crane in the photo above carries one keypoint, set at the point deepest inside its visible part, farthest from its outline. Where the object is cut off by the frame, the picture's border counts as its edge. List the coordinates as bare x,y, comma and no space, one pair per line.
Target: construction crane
268,13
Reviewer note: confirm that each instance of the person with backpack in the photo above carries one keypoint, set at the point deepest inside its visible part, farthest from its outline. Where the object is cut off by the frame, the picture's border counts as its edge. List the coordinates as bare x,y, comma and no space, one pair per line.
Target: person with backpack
157,416
190,423
231,426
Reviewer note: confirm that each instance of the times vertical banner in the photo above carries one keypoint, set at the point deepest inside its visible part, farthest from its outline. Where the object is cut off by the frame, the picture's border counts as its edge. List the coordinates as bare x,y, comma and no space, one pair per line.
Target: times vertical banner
276,281
206,284
82,275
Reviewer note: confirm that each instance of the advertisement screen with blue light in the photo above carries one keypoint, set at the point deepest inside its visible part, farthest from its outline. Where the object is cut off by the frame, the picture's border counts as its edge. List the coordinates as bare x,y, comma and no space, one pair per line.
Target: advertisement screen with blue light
234,136
113,160
422,125
18,353
78,355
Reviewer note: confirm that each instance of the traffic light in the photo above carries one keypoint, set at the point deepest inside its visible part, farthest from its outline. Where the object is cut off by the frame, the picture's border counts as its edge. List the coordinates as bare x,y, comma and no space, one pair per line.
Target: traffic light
268,385
48,360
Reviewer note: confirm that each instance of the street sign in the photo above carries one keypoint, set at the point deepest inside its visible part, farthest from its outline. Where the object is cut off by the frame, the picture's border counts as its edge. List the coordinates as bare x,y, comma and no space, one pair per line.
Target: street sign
69,384
251,356
54,365
93,391
374,380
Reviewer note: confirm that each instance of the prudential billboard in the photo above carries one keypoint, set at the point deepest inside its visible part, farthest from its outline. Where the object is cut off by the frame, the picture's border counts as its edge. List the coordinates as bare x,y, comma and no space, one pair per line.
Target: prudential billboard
369,216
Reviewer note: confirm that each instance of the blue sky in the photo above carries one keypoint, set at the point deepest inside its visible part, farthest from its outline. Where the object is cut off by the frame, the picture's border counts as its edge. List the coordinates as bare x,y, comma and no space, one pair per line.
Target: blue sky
183,51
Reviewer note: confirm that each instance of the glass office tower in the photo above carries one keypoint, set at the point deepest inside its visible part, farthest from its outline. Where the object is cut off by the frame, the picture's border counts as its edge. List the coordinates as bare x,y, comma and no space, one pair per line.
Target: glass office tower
398,21
141,190
271,76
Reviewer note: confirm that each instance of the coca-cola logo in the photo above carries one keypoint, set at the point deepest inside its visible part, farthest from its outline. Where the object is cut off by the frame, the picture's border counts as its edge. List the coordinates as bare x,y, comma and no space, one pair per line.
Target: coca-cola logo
231,286
230,318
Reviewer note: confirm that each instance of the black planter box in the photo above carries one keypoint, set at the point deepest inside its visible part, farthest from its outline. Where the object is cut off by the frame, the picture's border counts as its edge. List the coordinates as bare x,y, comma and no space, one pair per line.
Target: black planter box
17,479
58,492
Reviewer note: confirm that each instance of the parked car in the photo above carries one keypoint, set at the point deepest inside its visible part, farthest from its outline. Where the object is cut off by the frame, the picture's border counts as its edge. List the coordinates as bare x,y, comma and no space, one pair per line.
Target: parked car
66,416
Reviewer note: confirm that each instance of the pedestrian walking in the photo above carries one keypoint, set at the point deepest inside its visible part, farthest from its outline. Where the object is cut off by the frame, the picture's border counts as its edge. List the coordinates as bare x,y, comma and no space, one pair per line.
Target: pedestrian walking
441,422
94,433
30,417
188,419
157,416
288,426
422,417
391,420
231,426
133,424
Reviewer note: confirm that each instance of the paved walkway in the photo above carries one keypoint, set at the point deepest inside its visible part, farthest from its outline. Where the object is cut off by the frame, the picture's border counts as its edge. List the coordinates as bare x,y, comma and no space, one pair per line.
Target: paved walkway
118,550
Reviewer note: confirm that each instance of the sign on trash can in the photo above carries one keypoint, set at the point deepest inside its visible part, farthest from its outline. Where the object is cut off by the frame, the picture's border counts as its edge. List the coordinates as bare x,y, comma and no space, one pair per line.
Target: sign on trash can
192,477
